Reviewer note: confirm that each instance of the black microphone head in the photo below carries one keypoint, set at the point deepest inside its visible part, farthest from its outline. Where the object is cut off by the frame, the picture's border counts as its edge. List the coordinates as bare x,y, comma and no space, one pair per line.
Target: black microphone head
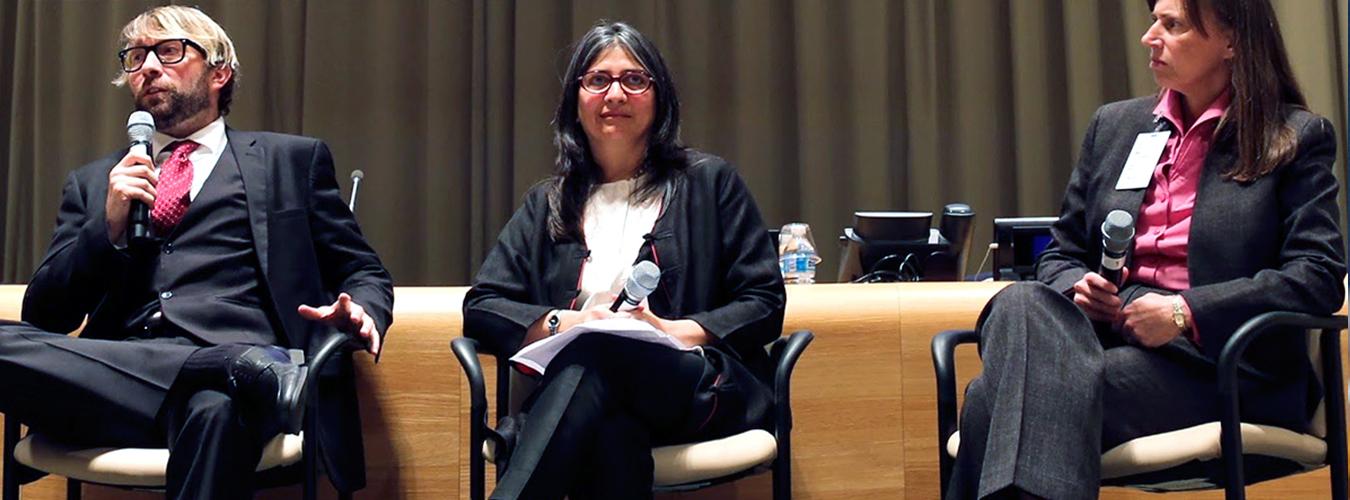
140,126
358,175
642,282
1118,231
957,223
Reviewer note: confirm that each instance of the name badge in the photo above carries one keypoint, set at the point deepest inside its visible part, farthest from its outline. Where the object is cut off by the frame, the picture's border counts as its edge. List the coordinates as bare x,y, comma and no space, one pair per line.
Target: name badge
1138,172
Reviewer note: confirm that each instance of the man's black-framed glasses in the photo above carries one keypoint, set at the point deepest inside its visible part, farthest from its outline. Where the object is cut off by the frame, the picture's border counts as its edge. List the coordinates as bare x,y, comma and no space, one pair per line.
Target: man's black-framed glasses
632,81
168,52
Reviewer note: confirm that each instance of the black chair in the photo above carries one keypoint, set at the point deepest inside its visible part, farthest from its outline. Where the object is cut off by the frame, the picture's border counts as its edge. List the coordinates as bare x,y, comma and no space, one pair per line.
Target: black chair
677,468
1194,458
285,458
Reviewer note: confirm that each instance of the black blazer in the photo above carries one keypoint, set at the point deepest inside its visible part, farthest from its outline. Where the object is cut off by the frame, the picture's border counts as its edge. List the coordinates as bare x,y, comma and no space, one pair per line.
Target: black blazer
1270,244
309,249
718,267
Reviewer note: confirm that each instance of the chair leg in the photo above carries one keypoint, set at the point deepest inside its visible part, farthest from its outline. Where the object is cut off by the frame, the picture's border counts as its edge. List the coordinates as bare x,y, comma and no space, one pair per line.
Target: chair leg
309,449
73,491
311,467
1338,479
782,464
1234,481
782,478
1334,399
11,482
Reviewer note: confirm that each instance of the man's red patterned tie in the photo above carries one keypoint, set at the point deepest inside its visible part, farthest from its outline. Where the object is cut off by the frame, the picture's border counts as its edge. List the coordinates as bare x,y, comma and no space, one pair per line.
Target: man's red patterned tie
175,181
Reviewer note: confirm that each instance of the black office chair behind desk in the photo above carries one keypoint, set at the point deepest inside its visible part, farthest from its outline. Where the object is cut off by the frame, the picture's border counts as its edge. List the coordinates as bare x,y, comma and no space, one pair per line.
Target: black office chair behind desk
1194,458
144,469
677,468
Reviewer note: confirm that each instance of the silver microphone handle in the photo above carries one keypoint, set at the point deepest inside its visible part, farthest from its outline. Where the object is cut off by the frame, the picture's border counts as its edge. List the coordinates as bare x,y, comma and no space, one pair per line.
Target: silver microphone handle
351,205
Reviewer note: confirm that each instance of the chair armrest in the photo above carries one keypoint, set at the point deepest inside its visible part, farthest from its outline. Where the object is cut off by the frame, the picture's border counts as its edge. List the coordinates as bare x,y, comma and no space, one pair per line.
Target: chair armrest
335,343
466,351
785,352
944,368
315,361
1233,352
1254,328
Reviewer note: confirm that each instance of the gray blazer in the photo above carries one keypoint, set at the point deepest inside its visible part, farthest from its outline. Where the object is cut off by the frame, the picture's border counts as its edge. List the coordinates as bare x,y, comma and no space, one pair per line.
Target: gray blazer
1270,244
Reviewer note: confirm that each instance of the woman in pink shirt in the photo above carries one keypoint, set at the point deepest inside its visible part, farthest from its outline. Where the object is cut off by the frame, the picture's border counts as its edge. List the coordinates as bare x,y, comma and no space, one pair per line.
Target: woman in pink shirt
1229,179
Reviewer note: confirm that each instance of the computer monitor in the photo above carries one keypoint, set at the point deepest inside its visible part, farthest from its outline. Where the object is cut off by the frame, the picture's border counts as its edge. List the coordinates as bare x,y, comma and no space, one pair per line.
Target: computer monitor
1020,240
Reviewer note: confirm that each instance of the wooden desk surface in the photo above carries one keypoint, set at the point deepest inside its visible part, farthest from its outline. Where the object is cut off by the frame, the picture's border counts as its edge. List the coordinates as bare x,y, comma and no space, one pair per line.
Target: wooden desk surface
863,398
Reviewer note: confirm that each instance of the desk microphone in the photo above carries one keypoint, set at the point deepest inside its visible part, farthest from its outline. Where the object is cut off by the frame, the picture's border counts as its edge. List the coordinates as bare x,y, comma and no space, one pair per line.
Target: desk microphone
641,282
140,128
1117,236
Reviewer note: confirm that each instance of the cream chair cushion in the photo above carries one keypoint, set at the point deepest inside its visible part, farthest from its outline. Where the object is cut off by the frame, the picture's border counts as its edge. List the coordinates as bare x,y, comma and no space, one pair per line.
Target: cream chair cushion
139,467
687,463
1199,443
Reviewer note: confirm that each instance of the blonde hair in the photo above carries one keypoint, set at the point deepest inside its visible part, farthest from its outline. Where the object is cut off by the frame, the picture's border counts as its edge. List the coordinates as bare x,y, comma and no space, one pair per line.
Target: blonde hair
176,21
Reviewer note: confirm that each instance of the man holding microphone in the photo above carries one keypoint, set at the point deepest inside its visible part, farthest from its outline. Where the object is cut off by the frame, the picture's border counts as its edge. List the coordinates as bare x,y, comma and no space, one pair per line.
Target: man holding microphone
185,333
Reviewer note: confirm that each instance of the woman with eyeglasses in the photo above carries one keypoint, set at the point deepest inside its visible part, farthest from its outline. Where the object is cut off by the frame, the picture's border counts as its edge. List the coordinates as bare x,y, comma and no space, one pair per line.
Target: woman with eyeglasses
625,190
1229,180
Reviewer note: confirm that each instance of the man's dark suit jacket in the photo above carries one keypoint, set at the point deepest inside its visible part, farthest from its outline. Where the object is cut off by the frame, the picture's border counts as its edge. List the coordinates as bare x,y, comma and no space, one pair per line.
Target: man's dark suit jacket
1265,245
308,246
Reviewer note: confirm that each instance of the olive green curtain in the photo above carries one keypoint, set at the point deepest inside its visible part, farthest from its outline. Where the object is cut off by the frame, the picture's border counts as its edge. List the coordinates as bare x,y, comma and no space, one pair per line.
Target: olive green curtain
826,106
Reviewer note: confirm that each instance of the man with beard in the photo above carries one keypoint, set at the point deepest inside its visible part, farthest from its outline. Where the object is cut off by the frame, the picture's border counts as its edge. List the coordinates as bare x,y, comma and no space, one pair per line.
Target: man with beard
184,340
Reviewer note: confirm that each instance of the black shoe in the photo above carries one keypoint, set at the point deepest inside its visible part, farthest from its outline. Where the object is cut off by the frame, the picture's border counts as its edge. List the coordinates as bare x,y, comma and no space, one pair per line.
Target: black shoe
271,387
504,438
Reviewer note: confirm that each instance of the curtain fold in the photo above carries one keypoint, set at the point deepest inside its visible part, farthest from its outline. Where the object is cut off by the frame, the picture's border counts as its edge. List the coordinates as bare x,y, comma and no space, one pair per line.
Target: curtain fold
826,107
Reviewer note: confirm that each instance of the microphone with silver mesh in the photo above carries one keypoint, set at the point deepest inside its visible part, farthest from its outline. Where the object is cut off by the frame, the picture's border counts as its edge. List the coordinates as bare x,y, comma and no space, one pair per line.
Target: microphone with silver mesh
1117,236
641,282
140,128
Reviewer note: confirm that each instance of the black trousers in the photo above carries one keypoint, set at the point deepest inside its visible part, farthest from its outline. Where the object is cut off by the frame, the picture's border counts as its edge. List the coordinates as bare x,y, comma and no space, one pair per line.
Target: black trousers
589,427
121,394
1056,391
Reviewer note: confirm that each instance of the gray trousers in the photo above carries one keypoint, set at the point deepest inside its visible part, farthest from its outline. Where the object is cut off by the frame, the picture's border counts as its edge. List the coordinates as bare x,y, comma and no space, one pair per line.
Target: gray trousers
1057,391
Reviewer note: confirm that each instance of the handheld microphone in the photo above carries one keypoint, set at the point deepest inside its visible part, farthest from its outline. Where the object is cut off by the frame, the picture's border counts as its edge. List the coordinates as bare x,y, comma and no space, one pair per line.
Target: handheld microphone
357,175
1117,236
140,128
641,282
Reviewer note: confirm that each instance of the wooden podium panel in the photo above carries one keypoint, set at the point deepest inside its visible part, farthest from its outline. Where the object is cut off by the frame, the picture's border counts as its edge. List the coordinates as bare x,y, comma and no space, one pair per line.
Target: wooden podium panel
863,397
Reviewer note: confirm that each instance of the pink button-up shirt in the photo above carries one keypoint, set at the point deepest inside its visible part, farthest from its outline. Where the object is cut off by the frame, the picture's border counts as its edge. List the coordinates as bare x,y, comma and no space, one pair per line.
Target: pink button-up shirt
1164,224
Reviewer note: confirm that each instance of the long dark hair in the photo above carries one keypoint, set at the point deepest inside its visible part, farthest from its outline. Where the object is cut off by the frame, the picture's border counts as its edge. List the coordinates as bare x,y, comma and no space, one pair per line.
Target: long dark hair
576,171
1263,84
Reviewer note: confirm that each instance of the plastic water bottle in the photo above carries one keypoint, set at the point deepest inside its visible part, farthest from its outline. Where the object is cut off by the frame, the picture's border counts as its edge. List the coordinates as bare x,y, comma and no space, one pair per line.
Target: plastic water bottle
797,257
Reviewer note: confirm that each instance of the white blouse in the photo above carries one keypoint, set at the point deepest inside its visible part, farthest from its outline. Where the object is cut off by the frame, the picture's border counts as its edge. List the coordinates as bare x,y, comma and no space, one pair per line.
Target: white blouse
614,227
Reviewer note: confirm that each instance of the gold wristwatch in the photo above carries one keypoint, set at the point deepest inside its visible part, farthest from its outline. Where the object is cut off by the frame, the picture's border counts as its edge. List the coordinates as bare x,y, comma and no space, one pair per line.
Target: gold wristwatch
1179,312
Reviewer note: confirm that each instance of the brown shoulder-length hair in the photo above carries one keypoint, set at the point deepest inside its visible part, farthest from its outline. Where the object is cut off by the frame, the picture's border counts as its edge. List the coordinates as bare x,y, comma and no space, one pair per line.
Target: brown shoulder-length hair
1263,84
